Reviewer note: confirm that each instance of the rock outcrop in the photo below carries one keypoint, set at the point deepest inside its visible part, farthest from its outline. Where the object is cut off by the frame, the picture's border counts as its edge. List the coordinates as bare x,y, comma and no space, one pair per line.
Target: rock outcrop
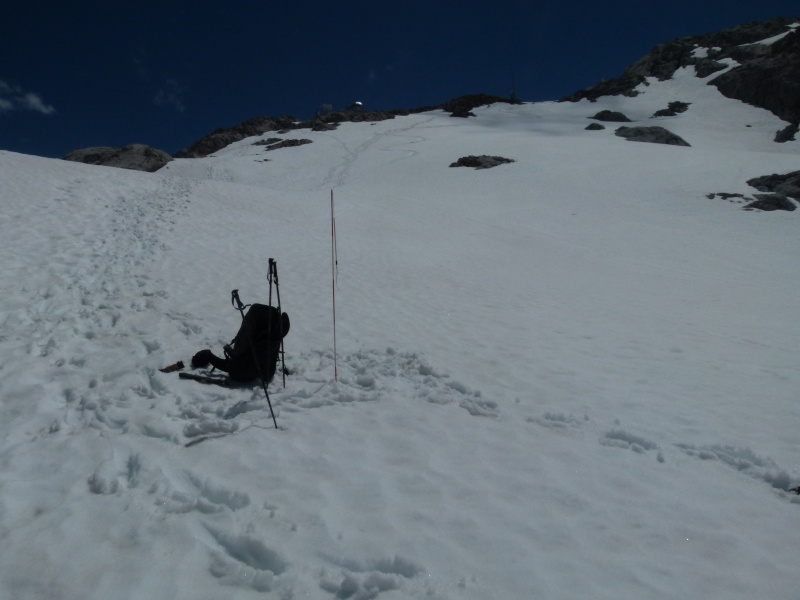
788,184
481,162
770,202
653,135
787,133
611,116
779,189
767,75
137,157
673,109
224,136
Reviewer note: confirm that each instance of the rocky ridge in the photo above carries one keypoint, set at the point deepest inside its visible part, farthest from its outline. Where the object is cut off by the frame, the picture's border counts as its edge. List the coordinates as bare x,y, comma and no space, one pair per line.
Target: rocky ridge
144,158
766,72
137,157
219,138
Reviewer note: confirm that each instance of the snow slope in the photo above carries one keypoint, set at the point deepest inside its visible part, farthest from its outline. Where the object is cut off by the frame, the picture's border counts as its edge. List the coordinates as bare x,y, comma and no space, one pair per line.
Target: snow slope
571,376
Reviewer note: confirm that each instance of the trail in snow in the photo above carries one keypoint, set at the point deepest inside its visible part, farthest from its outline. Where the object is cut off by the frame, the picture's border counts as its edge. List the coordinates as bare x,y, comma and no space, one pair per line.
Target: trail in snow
339,174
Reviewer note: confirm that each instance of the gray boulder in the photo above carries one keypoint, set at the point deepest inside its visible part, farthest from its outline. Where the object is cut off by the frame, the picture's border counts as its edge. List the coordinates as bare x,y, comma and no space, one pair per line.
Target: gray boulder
611,116
481,162
653,135
595,127
673,109
137,157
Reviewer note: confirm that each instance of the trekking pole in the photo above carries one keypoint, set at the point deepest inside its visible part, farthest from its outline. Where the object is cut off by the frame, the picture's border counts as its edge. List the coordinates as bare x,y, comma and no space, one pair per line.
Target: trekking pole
237,303
261,377
269,279
273,276
264,385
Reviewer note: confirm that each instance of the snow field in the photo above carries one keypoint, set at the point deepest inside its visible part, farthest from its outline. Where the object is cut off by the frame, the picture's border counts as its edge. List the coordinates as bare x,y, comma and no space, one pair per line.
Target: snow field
572,375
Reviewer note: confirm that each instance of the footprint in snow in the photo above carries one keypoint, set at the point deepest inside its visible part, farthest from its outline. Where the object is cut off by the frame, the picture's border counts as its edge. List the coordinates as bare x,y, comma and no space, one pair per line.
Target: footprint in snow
374,376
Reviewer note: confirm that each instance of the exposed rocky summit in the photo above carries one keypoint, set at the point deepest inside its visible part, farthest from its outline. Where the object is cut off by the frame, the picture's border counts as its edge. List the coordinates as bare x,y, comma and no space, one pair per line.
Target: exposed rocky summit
137,157
768,75
654,135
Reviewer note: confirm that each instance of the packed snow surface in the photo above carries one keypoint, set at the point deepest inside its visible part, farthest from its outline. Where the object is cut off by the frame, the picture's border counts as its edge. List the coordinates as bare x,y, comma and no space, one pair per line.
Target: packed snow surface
571,376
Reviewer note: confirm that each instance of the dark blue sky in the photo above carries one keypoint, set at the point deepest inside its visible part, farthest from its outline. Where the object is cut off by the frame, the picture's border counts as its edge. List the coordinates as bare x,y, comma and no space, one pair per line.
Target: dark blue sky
110,73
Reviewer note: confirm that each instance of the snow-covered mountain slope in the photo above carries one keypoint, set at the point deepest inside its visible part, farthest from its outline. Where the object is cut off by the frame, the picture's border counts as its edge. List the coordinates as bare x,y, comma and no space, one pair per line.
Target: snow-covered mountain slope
570,376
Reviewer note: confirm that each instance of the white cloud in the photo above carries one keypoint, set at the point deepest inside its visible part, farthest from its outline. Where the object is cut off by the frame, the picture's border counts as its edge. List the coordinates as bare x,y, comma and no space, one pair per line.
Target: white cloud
13,97
171,95
34,102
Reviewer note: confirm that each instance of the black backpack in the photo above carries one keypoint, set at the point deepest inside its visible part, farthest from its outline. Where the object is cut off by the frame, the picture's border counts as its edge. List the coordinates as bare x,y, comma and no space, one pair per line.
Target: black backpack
256,348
